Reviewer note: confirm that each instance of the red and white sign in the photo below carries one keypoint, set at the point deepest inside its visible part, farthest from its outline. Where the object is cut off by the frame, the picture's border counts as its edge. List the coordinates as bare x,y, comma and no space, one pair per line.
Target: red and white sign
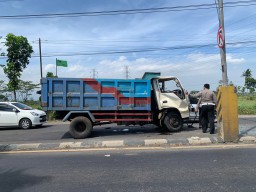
220,37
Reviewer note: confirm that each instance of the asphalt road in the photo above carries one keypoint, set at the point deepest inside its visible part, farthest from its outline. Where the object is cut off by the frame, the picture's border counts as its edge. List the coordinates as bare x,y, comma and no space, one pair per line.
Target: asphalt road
58,132
209,170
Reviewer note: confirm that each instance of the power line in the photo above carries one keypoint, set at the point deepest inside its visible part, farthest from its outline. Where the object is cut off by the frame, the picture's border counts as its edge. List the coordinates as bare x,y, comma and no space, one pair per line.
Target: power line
130,11
9,0
127,51
111,52
145,50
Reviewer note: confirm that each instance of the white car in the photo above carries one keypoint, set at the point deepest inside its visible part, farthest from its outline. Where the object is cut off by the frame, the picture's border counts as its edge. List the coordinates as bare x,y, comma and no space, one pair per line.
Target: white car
19,114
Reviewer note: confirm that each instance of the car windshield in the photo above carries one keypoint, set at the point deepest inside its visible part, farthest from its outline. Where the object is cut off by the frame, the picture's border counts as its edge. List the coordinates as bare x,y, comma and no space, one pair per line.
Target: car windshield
22,106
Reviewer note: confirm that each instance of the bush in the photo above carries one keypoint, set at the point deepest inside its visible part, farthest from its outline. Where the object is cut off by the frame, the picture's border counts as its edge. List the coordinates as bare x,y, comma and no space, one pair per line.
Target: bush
51,115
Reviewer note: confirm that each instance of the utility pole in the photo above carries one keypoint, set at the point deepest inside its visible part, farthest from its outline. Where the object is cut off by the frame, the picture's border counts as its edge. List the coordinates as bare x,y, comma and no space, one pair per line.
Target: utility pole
126,72
227,105
40,55
223,48
94,73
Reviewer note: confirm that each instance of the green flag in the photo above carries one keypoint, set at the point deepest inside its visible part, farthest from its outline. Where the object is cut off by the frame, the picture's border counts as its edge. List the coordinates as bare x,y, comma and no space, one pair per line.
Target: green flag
61,63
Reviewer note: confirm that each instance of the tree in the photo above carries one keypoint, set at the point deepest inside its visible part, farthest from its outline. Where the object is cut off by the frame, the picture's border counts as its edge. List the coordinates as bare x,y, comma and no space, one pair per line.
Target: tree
1,47
249,81
50,75
247,73
18,54
3,90
25,89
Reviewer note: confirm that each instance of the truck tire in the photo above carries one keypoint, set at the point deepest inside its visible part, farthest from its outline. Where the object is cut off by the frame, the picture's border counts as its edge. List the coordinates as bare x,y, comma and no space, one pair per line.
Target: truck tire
80,127
173,121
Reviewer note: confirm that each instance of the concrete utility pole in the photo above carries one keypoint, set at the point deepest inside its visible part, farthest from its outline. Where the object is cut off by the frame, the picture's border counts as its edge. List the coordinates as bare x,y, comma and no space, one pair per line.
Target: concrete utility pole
227,107
223,49
40,55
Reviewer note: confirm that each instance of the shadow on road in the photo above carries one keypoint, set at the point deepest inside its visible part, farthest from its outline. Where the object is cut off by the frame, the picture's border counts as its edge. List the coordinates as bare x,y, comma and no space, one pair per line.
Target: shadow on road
148,130
15,180
18,128
66,136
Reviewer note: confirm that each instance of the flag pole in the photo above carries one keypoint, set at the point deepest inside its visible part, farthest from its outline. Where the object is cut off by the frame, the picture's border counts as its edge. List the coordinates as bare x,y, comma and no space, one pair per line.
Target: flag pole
56,68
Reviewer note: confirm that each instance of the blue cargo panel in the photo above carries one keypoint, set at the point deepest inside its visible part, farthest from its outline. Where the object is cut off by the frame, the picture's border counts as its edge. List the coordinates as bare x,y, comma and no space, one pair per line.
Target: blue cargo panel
95,94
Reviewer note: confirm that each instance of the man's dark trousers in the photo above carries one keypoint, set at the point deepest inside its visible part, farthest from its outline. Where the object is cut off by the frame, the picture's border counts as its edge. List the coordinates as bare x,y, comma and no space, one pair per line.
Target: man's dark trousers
207,115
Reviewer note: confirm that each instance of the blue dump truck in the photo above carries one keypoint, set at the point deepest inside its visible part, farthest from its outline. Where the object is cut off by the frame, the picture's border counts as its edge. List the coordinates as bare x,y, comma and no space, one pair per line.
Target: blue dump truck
87,102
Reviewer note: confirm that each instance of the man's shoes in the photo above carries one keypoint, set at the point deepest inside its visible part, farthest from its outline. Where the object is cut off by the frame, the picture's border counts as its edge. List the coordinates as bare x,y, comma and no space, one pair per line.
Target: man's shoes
204,131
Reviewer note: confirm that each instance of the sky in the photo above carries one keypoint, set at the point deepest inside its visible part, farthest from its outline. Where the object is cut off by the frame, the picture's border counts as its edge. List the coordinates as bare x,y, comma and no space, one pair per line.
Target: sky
179,43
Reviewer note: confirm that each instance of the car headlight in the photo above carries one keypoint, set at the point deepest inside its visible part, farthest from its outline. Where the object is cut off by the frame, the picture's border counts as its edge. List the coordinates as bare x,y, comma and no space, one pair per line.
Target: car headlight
34,114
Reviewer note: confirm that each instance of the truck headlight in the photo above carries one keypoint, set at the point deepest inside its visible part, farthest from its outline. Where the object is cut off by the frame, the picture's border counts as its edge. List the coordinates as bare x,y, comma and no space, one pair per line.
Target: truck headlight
34,114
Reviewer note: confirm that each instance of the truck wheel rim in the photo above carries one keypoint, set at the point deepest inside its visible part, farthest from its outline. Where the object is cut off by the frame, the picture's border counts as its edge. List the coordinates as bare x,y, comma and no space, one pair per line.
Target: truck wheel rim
174,122
80,127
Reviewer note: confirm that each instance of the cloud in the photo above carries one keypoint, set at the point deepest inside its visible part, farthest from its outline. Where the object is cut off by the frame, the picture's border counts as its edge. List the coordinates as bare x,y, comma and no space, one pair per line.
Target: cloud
49,67
209,58
232,60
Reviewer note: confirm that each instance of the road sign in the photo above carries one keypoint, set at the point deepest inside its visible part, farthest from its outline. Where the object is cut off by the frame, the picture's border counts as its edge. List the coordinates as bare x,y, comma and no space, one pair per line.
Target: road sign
220,37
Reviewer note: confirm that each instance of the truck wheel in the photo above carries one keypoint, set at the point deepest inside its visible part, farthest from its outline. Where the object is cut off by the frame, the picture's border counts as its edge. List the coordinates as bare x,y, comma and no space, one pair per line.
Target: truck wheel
173,121
80,127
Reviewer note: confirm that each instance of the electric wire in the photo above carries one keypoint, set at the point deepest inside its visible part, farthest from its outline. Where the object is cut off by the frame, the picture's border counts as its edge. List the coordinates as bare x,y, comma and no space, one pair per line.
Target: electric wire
130,11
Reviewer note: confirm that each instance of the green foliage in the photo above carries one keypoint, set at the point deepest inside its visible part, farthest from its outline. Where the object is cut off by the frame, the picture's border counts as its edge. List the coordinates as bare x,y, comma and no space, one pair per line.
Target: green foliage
50,75
51,115
249,81
18,53
247,73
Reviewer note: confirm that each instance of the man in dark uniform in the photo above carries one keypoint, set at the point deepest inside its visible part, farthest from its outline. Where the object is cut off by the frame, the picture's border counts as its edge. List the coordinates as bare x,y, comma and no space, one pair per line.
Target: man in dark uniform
208,102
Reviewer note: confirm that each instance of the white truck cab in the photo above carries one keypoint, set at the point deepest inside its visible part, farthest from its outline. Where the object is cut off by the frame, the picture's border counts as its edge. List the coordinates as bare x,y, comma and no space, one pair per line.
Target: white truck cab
172,103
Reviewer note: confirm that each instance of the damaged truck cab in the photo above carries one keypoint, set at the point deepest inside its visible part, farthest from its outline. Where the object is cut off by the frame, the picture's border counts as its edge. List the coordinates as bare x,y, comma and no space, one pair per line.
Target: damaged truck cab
172,104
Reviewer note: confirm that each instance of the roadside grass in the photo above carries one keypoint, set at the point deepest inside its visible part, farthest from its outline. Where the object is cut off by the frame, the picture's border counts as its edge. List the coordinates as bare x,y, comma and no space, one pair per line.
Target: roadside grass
247,104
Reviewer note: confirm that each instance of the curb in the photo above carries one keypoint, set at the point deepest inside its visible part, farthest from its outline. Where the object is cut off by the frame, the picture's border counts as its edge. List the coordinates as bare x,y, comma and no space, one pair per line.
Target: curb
192,141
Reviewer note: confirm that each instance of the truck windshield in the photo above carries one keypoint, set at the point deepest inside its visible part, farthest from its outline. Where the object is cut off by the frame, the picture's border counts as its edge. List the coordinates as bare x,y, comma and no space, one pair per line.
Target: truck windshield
22,106
171,86
168,85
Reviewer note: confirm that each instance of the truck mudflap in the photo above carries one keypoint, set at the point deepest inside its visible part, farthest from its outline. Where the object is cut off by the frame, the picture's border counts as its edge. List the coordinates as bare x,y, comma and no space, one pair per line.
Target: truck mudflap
67,117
